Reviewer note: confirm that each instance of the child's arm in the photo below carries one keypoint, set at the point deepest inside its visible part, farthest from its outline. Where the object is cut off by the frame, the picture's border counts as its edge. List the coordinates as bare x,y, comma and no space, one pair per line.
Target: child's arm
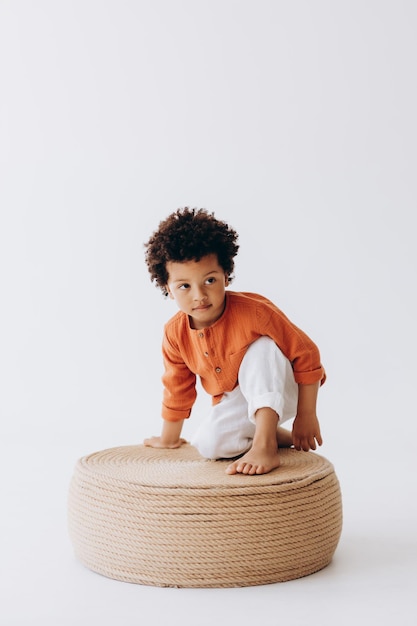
306,428
170,436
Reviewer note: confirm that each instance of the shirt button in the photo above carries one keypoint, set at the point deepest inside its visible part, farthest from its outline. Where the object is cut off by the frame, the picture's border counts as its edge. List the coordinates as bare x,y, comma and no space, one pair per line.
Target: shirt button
206,354
201,334
218,370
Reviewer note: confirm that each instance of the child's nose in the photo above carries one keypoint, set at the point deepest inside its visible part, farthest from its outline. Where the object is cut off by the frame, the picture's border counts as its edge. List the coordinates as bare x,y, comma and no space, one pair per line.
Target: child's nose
199,293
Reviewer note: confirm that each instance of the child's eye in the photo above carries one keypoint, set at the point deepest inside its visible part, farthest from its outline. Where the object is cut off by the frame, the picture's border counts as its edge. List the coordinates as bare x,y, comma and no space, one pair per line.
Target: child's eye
184,286
210,280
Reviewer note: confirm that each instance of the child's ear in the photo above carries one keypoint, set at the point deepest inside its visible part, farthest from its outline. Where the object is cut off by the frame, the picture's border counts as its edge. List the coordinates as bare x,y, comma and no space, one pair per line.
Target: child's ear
168,292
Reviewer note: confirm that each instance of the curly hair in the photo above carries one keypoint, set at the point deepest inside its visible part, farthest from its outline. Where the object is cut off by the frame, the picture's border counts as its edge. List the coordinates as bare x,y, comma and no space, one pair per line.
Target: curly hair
188,235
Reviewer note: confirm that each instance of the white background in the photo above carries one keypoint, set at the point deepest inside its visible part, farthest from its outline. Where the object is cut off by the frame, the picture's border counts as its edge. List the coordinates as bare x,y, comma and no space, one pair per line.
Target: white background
295,121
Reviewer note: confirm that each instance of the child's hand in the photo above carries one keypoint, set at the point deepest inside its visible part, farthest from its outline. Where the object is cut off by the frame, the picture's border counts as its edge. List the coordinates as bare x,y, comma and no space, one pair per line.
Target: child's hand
158,442
305,432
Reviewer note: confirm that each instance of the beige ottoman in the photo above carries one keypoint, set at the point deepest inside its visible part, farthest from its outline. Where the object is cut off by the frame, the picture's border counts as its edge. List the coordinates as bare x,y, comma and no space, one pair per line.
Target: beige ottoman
170,518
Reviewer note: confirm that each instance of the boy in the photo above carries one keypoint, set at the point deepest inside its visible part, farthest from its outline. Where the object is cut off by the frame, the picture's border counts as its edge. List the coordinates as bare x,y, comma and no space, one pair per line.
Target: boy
259,368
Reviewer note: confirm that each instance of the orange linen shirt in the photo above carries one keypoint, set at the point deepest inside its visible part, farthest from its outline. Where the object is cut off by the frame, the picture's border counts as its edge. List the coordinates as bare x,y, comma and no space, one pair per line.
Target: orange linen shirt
216,352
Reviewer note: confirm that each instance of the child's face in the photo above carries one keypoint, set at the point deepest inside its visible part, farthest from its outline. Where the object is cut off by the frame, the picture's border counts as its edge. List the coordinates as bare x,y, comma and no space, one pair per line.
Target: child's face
198,288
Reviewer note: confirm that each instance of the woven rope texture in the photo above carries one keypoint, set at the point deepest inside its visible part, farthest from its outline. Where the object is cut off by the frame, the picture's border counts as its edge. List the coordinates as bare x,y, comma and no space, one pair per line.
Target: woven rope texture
173,519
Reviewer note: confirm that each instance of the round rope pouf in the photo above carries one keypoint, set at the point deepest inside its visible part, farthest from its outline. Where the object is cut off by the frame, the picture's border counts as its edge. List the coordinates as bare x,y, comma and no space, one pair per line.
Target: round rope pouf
170,518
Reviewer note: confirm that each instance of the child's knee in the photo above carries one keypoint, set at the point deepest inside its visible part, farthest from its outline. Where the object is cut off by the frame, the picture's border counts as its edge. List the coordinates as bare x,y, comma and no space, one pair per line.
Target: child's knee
226,447
266,378
264,360
207,449
264,348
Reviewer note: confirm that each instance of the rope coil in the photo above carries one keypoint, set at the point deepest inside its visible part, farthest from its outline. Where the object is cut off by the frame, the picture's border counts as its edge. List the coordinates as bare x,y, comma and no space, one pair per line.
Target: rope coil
170,518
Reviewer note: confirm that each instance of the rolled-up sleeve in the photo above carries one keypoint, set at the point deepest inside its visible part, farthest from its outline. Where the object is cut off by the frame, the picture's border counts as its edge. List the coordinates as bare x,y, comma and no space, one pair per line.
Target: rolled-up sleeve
295,344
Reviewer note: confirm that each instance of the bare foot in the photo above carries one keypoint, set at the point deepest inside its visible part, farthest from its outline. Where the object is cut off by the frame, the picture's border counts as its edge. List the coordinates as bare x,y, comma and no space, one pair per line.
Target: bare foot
255,461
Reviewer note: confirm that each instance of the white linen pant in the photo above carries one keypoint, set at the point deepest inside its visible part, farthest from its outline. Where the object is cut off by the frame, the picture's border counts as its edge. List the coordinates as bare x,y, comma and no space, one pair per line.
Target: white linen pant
266,379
